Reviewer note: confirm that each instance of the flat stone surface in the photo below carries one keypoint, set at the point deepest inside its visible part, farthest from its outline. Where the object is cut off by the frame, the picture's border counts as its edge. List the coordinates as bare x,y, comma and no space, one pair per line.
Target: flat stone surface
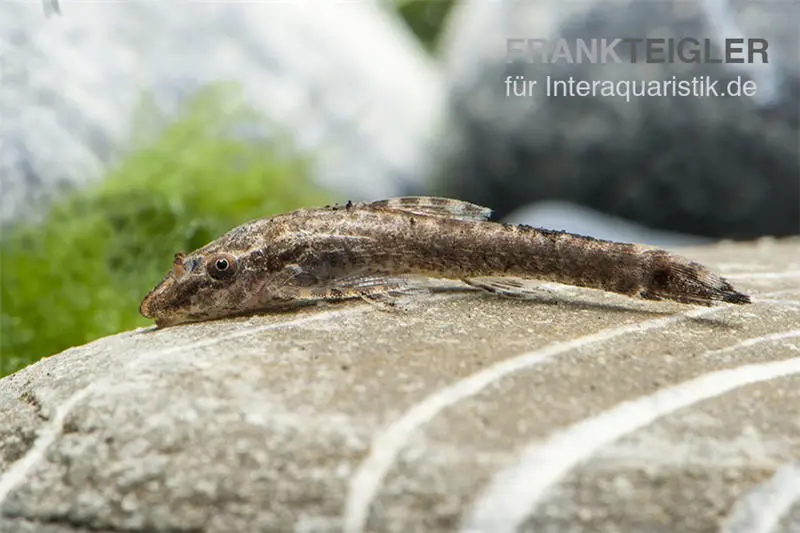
578,411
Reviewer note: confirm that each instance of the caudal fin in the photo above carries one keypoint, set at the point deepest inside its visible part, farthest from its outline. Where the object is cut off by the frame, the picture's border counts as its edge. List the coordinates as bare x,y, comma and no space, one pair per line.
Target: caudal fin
675,278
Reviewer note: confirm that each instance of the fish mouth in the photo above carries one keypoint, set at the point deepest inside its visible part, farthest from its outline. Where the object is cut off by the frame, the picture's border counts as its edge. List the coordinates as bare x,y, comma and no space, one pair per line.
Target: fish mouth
148,308
170,302
144,307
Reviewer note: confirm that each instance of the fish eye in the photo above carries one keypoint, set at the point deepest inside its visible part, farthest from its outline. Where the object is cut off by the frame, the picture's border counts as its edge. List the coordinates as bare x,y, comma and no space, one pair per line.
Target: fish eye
222,267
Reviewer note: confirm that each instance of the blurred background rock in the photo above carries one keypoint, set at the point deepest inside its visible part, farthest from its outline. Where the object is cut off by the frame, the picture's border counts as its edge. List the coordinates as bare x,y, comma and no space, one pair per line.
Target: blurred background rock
109,162
346,80
718,167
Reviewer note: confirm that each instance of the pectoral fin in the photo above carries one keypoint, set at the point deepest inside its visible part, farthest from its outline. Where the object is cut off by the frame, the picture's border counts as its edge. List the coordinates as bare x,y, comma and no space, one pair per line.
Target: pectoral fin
508,287
382,290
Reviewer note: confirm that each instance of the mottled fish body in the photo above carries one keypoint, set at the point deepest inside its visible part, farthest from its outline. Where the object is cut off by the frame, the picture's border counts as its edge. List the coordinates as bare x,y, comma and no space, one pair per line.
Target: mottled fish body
367,249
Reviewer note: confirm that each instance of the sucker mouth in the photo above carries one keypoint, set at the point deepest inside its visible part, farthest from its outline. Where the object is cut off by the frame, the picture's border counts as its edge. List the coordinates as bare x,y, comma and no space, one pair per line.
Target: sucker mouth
144,307
163,323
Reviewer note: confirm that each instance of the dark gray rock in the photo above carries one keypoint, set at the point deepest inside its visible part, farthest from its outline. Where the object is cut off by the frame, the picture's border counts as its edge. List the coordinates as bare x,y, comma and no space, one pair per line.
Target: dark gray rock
709,166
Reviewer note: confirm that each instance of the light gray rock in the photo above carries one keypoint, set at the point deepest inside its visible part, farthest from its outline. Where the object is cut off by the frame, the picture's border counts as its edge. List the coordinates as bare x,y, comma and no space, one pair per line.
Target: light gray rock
346,80
722,167
577,412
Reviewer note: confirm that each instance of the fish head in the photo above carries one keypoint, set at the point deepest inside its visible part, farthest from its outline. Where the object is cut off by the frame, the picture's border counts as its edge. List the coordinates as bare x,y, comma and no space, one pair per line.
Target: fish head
196,287
208,284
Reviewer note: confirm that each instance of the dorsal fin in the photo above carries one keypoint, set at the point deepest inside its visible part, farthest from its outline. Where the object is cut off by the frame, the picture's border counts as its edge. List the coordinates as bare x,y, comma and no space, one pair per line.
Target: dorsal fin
436,206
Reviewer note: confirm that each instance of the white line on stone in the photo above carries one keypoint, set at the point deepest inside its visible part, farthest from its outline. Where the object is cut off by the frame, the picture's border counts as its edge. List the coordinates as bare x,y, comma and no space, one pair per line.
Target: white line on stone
514,492
50,431
762,508
763,275
47,435
753,341
386,445
784,291
787,303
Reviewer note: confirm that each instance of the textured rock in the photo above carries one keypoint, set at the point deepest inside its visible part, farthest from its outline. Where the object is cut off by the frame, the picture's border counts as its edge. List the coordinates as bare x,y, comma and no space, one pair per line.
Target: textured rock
705,166
580,412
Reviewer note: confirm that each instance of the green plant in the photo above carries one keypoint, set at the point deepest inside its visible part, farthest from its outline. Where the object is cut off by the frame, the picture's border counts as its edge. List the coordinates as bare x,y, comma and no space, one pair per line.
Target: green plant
81,273
425,18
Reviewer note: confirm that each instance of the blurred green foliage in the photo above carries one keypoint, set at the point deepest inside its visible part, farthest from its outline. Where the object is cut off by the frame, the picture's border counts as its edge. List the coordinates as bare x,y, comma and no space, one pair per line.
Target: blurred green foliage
81,273
425,18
